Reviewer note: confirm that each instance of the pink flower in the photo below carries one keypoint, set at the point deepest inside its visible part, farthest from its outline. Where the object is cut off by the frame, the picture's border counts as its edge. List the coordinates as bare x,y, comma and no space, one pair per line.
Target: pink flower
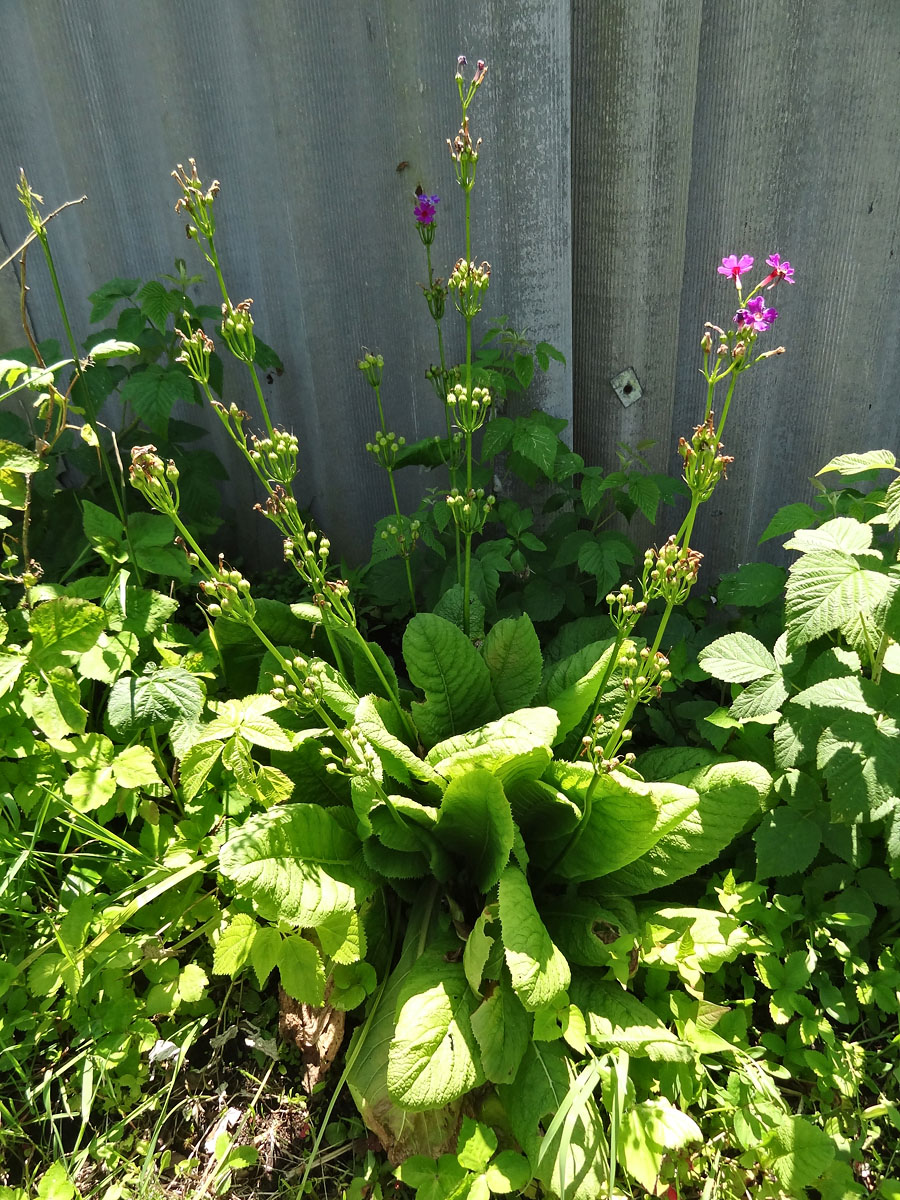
734,266
780,270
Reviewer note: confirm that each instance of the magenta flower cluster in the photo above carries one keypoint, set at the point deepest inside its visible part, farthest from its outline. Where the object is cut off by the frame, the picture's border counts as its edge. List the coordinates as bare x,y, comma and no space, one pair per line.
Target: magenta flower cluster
426,209
754,316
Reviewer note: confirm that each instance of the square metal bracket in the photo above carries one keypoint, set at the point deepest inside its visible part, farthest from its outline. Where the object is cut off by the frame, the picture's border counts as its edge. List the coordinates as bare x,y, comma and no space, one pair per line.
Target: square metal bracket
627,387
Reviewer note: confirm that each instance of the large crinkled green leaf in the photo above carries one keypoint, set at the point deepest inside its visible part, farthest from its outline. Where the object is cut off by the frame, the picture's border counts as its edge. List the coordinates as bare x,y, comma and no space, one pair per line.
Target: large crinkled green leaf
576,1163
572,685
616,1019
627,817
538,806
402,1133
297,864
502,1029
396,757
515,747
842,533
475,823
433,1057
512,653
539,971
61,627
798,1153
859,757
729,795
443,662
852,464
827,590
584,927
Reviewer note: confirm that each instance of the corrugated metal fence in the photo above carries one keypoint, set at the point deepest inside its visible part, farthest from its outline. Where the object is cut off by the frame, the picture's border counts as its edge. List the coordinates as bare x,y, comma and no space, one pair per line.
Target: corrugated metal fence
628,145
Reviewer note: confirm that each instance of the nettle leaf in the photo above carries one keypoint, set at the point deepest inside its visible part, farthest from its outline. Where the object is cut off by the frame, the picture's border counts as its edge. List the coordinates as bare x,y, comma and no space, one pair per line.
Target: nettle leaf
752,585
502,1029
539,971
736,658
841,533
512,653
297,864
728,796
535,442
513,748
852,464
154,392
617,1020
160,697
826,590
789,518
797,1152
64,626
650,1132
235,943
433,1057
301,970
572,1160
457,684
475,823
627,817
786,842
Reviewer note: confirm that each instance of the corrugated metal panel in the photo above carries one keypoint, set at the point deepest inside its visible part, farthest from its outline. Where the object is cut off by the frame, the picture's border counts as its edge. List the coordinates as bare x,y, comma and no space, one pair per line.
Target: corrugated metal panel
698,129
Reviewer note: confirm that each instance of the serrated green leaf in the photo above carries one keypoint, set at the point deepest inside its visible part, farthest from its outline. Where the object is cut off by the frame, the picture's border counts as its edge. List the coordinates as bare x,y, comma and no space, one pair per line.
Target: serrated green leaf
892,503
798,1153
644,492
192,983
14,457
301,971
264,951
512,653
572,698
539,971
234,946
788,519
762,697
161,697
297,864
736,658
542,599
497,437
841,533
446,666
752,585
535,442
475,823
247,720
104,299
826,590
433,1057
64,626
852,464
153,393
616,1019
155,304
786,842
398,760
135,767
651,1130
729,794
196,765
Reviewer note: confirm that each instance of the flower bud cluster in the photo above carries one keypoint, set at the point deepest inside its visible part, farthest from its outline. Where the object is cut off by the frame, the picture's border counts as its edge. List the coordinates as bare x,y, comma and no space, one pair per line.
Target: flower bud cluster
196,201
385,448
310,558
405,534
155,480
436,295
469,281
237,330
590,748
470,509
229,596
670,572
624,612
643,673
276,456
462,151
196,350
372,366
469,412
704,463
360,758
303,689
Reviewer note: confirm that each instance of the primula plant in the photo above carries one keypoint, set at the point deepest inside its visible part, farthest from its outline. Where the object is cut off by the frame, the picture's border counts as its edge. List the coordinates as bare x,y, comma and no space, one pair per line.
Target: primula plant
538,943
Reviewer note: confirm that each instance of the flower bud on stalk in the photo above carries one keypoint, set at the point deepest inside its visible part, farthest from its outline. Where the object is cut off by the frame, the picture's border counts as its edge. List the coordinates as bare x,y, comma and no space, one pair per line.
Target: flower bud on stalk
237,331
195,201
196,350
155,480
